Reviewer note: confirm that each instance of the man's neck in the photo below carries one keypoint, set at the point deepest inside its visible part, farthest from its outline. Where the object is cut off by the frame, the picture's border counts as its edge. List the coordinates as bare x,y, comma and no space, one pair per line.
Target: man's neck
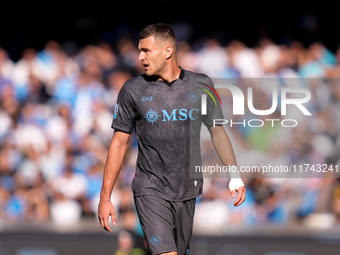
171,74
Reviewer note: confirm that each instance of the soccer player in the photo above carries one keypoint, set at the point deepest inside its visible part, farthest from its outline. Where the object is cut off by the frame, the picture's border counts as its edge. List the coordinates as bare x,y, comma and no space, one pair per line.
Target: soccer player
162,106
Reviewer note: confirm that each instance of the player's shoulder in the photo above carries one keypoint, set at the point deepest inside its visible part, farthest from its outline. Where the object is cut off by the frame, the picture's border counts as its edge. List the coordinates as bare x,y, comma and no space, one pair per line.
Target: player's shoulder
139,80
132,85
132,82
200,77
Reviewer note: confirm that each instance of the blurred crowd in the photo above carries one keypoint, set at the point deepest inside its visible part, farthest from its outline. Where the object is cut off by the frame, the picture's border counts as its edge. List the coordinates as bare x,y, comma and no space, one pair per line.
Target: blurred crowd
56,111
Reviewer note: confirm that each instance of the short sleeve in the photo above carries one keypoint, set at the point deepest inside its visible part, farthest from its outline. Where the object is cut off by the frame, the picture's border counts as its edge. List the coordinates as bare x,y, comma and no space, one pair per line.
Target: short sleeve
214,110
124,112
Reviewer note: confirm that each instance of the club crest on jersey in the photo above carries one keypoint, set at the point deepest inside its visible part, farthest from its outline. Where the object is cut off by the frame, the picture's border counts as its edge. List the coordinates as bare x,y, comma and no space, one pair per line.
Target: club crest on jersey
115,112
193,96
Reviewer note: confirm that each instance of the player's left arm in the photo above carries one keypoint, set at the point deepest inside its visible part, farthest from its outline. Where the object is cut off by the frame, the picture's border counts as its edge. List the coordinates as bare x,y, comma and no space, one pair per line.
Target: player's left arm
225,152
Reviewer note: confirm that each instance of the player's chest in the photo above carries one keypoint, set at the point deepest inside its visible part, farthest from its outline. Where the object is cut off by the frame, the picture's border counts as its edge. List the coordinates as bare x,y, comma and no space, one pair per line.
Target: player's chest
161,103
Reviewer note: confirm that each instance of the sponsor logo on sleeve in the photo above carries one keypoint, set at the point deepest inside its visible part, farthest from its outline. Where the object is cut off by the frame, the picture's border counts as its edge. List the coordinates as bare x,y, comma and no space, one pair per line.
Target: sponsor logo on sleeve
115,111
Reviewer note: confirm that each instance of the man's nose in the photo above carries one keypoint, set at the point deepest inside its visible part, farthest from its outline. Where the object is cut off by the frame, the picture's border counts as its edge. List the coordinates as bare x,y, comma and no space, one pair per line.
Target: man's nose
141,56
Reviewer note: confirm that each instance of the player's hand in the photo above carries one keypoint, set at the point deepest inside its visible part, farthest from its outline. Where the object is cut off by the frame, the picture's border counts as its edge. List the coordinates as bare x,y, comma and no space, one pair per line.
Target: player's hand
236,185
105,209
241,196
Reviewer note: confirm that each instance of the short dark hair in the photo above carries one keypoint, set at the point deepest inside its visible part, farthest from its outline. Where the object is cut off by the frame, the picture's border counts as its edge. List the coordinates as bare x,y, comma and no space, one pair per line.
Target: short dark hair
161,31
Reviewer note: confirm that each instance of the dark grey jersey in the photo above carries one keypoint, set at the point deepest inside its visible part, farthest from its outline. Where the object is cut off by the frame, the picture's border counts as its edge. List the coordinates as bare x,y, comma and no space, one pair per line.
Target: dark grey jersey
167,120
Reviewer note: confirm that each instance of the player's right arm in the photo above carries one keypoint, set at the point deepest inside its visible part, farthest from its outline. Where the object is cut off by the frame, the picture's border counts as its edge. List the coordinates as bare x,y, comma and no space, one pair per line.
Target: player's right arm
114,162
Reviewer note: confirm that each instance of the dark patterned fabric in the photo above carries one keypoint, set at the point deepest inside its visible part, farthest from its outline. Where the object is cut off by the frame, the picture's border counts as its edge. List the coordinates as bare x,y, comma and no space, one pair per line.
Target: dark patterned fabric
167,123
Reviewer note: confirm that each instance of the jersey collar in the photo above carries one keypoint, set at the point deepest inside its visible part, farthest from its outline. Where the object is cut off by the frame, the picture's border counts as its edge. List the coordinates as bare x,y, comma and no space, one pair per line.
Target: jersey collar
155,78
181,75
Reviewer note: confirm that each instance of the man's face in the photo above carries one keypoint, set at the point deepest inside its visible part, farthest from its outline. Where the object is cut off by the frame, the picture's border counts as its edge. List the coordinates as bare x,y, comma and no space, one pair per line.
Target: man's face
152,55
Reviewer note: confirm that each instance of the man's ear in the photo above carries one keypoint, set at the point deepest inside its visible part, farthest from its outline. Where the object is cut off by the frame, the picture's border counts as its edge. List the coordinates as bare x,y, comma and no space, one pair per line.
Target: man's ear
169,50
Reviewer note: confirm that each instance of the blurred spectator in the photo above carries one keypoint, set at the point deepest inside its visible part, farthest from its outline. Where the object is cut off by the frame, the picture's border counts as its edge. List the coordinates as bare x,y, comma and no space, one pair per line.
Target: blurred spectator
70,184
318,60
64,210
336,202
244,60
127,246
185,56
23,69
128,52
6,65
94,183
37,201
212,59
89,89
212,212
13,205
